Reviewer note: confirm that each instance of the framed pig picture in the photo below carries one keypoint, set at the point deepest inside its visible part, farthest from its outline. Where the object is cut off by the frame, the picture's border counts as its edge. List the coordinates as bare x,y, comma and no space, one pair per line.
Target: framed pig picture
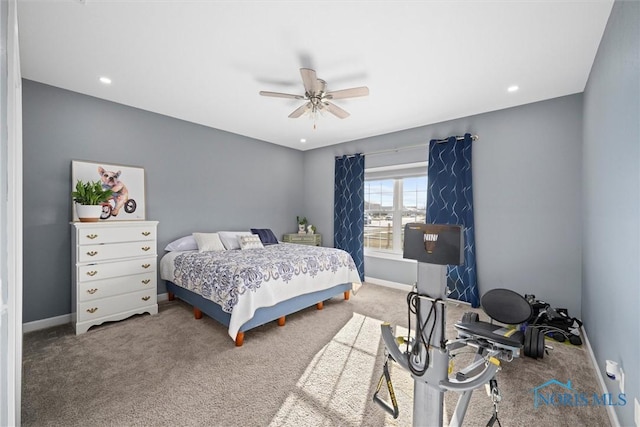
125,182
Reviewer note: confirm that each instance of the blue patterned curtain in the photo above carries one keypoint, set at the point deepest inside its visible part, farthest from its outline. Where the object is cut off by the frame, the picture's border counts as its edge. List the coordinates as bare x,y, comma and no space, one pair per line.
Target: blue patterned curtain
450,201
348,216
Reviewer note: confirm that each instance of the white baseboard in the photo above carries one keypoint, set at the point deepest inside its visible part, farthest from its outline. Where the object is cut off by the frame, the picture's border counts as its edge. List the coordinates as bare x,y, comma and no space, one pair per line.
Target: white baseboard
388,284
613,418
403,287
36,325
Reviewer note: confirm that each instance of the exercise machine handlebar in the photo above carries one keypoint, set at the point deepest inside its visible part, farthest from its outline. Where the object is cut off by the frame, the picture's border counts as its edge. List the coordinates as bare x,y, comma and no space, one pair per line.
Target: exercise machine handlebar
491,366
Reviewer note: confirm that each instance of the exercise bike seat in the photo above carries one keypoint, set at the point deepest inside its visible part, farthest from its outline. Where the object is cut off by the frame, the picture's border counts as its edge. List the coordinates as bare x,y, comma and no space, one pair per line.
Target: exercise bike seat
506,306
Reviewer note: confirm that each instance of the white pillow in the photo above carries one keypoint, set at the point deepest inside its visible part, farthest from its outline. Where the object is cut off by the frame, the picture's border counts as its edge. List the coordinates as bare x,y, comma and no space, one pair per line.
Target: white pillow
250,242
187,243
208,242
231,240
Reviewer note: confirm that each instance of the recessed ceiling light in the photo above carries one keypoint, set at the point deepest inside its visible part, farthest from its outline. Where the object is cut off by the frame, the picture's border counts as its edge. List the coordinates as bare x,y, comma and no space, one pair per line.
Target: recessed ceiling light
105,80
513,88
303,140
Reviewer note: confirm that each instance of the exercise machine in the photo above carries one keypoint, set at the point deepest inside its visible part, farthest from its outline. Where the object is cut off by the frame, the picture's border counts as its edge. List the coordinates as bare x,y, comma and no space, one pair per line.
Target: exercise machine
427,355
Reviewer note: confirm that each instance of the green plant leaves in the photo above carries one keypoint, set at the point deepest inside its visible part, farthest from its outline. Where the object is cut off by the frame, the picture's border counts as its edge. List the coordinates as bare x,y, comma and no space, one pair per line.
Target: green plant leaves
90,193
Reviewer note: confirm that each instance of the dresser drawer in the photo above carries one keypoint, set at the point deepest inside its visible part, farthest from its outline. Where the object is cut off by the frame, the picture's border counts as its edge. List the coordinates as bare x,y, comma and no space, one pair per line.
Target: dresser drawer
304,239
97,235
298,239
116,269
95,253
96,289
96,309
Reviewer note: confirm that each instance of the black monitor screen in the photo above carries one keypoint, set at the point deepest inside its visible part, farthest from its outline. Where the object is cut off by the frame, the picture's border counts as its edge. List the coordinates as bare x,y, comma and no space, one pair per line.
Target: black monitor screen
440,244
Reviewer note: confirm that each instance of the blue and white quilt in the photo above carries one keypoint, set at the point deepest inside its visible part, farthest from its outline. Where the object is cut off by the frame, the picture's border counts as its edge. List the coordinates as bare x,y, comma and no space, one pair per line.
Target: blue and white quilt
241,281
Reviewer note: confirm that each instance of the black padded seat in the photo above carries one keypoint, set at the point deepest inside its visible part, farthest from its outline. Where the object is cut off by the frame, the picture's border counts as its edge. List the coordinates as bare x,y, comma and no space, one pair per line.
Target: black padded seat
506,306
495,333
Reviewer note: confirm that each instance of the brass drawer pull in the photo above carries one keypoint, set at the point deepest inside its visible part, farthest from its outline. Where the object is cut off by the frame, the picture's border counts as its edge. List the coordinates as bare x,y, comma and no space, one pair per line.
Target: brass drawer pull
146,281
145,298
92,291
146,265
92,253
91,236
92,310
146,233
92,273
146,248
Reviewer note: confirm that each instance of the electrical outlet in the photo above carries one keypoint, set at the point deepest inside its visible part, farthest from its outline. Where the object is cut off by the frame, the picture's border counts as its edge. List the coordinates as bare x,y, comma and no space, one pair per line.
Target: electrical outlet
621,381
637,412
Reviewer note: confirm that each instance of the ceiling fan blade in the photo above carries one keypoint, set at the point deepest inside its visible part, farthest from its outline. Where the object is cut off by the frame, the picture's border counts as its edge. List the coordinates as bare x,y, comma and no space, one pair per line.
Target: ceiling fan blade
321,86
309,79
280,95
300,111
348,93
336,111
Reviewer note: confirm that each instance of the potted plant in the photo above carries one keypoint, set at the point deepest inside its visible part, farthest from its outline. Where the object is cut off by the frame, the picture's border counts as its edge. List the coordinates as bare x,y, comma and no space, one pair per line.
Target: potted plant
89,197
302,223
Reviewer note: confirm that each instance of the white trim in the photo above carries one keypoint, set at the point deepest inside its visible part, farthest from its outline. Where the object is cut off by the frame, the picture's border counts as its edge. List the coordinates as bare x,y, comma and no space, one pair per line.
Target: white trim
387,283
50,322
613,418
392,256
396,223
406,288
397,167
14,248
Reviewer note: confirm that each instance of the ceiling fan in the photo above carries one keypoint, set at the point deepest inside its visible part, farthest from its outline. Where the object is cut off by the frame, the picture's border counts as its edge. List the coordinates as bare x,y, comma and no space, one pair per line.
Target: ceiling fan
317,97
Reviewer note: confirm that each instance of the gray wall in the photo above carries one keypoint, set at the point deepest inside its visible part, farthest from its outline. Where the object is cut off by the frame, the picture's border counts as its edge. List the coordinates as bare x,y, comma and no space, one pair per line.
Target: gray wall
526,171
611,177
197,179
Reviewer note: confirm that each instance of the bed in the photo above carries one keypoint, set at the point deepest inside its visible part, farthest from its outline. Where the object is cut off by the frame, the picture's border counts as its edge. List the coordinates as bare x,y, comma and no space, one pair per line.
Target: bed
243,289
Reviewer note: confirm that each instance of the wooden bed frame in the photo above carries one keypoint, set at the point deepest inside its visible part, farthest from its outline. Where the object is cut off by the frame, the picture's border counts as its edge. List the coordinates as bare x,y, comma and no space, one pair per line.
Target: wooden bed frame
262,315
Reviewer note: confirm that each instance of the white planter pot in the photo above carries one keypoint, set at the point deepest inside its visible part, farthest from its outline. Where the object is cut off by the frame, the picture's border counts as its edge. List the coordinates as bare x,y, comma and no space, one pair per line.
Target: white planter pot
88,213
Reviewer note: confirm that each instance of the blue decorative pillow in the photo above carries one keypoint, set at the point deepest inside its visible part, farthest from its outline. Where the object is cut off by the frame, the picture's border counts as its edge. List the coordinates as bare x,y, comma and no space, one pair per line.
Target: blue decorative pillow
266,235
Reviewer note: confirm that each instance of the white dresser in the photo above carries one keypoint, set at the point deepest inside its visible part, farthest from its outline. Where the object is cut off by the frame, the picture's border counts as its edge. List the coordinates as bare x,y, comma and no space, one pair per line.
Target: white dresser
114,271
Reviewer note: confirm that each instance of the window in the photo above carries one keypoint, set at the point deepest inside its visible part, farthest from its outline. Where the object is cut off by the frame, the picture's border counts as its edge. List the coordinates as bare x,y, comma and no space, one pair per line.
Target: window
393,197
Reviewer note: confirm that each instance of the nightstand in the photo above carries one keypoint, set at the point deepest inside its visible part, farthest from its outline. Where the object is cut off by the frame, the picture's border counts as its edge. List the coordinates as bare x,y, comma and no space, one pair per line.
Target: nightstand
303,239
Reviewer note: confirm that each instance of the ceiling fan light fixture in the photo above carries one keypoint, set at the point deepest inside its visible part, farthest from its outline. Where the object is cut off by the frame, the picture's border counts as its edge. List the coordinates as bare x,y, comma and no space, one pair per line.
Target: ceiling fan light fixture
317,97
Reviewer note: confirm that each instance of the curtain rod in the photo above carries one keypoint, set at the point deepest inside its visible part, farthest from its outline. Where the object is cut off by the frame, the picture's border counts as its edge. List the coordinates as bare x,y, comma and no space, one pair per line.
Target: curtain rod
411,147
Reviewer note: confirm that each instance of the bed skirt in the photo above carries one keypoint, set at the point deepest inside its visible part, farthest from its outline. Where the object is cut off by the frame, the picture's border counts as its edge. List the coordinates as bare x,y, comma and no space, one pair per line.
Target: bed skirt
262,315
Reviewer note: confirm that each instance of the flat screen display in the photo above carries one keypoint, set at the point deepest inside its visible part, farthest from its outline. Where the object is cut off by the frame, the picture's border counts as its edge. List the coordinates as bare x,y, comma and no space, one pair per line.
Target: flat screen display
440,244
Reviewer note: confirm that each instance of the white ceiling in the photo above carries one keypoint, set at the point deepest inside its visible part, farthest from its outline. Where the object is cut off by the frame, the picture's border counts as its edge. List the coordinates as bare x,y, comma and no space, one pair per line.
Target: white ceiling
205,61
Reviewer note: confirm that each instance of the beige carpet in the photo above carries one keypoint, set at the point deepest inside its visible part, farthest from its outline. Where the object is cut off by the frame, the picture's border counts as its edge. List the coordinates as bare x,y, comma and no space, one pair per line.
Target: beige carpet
320,369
